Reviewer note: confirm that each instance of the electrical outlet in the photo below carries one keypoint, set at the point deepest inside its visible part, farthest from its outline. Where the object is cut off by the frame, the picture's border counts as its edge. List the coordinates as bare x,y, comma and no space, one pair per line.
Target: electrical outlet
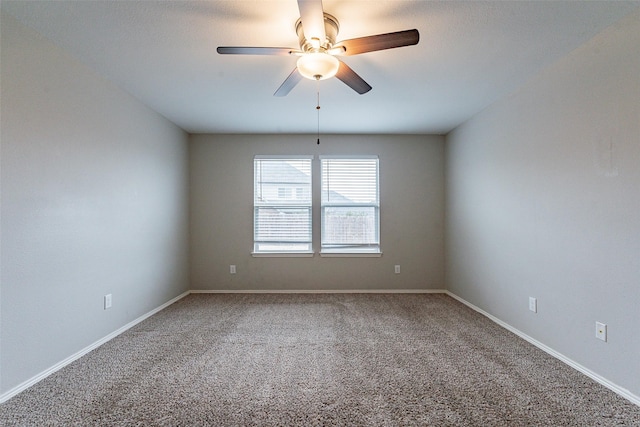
533,304
601,331
107,301
232,269
397,269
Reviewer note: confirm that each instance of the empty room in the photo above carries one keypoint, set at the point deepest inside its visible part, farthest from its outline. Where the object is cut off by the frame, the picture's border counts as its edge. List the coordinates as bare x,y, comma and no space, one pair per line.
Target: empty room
320,212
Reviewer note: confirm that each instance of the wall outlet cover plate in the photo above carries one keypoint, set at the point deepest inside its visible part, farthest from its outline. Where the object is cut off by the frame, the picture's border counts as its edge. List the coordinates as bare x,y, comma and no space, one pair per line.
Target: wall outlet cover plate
601,331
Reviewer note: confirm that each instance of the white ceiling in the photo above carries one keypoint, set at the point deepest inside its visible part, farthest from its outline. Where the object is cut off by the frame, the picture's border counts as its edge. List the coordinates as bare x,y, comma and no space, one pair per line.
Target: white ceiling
470,54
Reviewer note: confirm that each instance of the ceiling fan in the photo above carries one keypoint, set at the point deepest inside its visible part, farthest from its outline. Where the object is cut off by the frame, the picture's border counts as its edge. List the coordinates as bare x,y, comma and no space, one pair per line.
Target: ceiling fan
319,52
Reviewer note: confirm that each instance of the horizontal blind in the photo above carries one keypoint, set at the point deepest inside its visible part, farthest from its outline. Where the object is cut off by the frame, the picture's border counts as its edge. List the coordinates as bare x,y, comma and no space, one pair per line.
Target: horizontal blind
282,204
350,203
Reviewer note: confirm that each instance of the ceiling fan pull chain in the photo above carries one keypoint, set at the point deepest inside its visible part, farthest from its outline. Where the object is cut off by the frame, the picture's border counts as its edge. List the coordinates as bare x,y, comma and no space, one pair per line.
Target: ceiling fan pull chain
318,110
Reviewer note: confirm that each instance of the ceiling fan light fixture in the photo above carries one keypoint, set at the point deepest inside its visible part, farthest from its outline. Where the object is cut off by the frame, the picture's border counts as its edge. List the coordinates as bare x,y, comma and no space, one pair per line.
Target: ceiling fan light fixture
318,66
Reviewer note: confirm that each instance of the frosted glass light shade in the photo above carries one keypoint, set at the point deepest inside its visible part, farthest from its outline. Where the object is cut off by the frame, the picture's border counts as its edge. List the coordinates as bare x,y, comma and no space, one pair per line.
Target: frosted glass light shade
318,66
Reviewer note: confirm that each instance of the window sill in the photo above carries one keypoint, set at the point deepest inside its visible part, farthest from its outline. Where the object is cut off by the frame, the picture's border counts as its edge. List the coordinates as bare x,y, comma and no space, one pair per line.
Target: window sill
351,254
282,254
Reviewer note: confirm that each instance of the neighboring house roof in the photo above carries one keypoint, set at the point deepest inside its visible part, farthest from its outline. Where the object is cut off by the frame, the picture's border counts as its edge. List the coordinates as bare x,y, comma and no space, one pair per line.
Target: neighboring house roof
286,173
283,172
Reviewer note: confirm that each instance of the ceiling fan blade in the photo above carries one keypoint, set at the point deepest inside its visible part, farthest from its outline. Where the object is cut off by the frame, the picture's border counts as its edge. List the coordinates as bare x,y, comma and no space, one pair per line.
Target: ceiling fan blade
351,79
289,83
312,17
380,42
238,50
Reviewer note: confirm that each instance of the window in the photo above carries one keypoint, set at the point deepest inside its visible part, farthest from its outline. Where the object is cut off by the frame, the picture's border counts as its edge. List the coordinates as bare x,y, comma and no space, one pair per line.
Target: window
350,205
285,193
282,204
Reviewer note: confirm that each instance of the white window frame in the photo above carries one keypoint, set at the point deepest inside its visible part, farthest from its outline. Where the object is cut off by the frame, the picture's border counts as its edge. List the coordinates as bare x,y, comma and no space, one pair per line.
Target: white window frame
289,203
359,250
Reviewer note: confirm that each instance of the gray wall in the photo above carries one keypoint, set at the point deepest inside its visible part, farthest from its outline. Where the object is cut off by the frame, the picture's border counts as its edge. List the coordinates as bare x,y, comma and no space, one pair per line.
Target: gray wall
412,215
543,200
94,201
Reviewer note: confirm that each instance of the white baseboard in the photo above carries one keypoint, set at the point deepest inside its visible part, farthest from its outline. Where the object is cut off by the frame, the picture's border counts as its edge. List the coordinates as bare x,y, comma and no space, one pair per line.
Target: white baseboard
578,367
44,374
321,291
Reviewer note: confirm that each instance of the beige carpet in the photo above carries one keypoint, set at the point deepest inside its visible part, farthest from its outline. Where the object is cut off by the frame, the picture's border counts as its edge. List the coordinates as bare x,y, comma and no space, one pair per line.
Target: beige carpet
318,359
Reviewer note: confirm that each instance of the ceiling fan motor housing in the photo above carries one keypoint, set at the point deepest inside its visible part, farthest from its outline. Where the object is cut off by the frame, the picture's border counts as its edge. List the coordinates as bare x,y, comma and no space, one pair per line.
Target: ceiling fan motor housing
331,28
